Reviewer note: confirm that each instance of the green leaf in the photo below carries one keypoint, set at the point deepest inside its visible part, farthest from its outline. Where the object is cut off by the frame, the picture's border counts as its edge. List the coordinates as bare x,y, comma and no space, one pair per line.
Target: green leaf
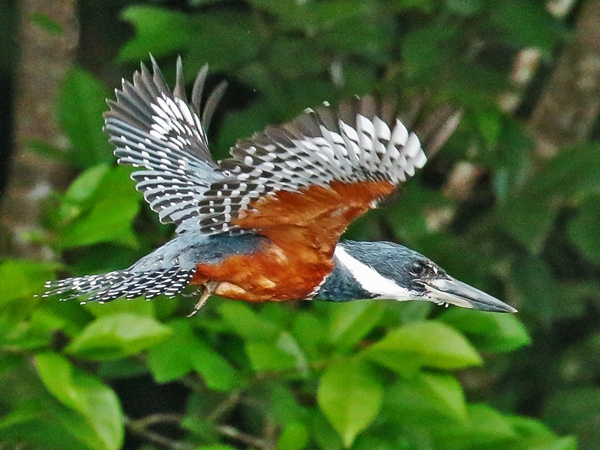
323,432
311,332
135,307
423,5
80,194
484,428
535,288
426,399
489,124
307,60
429,344
244,321
293,437
350,397
534,435
86,185
183,351
81,104
528,215
116,336
576,409
525,24
428,49
170,358
215,447
215,370
464,7
284,407
151,24
23,279
350,322
86,395
408,217
488,332
106,215
199,3
28,424
225,39
565,443
266,357
583,229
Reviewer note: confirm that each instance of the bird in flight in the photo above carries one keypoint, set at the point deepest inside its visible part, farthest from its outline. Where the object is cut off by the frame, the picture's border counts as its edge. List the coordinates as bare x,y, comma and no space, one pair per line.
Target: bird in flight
265,224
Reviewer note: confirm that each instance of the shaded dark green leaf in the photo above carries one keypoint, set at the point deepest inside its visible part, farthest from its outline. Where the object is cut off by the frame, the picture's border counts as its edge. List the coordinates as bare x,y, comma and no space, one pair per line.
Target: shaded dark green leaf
488,332
80,106
97,404
526,24
183,351
151,24
583,229
427,398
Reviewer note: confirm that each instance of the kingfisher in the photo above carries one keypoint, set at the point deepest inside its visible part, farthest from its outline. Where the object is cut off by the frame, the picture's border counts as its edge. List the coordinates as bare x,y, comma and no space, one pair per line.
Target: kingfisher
264,225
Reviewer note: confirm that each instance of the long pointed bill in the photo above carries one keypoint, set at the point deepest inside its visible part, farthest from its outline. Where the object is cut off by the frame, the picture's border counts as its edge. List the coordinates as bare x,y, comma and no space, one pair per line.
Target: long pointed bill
450,290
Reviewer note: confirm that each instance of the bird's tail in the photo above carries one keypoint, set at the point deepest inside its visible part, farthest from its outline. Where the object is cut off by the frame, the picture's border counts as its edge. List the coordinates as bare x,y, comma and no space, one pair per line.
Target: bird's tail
121,283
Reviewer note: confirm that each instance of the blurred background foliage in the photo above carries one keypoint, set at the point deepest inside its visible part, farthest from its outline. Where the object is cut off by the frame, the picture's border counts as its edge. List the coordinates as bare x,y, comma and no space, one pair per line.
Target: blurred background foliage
510,204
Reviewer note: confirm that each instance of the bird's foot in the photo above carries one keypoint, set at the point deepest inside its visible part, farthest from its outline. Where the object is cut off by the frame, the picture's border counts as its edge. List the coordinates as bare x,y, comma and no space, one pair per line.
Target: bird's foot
209,289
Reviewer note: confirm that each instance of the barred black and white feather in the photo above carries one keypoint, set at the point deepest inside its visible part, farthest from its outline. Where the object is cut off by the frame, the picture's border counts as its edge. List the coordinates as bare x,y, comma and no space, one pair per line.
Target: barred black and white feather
122,283
361,140
159,131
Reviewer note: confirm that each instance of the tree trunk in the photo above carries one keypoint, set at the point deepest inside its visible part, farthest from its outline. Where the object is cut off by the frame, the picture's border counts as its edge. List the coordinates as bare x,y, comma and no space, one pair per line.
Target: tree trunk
568,108
46,53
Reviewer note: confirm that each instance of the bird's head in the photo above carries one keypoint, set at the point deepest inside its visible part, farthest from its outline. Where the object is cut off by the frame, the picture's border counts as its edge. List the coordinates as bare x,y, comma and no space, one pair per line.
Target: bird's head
390,271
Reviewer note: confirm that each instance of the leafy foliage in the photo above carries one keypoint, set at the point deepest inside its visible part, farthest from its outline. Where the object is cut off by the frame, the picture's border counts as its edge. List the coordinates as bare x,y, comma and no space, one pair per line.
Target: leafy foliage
364,375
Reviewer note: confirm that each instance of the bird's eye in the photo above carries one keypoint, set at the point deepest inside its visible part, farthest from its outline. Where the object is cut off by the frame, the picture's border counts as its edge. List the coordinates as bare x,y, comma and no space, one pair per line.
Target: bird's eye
419,268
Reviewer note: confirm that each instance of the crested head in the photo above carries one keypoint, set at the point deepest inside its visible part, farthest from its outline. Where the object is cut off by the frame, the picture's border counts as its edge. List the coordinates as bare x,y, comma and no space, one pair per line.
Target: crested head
390,271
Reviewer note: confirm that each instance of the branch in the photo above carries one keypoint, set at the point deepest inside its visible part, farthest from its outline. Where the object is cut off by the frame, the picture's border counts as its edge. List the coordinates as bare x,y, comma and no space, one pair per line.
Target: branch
244,438
140,427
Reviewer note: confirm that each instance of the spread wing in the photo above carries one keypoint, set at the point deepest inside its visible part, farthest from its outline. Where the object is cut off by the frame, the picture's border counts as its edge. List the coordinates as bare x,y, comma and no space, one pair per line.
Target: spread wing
318,172
160,132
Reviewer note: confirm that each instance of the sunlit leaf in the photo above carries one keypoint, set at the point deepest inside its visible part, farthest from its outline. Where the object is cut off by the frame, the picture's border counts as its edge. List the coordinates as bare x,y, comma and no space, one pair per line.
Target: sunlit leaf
293,437
350,322
104,215
23,279
116,336
418,344
350,396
